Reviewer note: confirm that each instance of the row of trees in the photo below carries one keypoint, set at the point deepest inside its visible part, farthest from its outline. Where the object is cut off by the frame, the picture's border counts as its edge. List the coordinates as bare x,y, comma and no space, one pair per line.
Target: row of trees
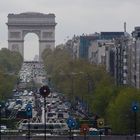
92,84
10,64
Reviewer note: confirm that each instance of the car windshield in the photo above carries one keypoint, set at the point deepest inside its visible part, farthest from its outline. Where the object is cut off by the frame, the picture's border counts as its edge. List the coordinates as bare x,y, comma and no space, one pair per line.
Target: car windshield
57,126
50,114
60,115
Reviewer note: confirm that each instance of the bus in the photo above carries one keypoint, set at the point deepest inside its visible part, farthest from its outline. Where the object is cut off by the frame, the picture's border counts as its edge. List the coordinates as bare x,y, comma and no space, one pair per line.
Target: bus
51,128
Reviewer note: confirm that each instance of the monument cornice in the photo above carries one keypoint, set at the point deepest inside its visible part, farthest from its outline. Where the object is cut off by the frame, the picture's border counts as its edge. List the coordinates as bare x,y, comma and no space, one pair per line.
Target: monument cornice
30,14
31,24
13,40
46,41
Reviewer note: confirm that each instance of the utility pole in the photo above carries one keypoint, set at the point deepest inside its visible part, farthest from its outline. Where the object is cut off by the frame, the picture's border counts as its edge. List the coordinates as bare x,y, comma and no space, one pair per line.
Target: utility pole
44,91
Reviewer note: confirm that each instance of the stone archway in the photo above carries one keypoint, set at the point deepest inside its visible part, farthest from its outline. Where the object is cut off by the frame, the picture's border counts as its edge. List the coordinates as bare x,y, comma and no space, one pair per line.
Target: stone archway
31,42
43,25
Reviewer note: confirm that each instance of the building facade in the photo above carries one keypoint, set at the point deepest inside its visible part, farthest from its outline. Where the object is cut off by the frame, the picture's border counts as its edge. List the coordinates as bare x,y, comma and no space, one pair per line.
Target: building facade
135,58
110,49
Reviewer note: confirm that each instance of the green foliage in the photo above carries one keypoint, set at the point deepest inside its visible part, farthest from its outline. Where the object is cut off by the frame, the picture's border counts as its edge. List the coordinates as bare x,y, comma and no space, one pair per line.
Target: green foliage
92,84
7,85
79,78
10,64
120,114
55,60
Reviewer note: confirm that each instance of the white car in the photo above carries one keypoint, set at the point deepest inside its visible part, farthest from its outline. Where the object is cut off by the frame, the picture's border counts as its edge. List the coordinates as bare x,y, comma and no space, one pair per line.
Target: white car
3,128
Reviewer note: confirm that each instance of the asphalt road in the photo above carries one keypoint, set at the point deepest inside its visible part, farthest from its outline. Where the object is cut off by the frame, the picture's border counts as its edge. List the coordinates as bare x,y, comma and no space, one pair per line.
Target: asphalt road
9,137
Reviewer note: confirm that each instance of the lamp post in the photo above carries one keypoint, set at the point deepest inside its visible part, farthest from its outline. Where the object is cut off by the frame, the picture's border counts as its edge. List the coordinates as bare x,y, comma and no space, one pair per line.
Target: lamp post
44,91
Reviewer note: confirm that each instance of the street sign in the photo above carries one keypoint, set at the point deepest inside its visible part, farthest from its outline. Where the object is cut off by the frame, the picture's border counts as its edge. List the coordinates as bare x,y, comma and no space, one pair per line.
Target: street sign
100,123
29,110
84,129
44,91
135,106
71,122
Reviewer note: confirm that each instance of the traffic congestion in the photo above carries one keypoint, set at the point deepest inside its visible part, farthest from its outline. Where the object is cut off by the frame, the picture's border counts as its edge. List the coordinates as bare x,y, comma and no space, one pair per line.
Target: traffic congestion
59,116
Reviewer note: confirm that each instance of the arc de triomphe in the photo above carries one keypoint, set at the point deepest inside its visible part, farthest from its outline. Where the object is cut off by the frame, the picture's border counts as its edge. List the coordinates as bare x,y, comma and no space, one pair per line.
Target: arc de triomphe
43,25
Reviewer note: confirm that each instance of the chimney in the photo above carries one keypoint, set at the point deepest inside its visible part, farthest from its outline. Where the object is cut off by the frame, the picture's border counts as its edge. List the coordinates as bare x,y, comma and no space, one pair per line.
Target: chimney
125,27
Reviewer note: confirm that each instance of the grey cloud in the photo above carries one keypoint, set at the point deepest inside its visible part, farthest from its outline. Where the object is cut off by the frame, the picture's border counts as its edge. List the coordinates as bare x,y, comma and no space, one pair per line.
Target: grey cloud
76,16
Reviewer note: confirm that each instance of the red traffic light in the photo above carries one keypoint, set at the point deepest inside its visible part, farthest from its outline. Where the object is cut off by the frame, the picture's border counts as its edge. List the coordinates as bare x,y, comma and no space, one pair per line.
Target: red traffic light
44,91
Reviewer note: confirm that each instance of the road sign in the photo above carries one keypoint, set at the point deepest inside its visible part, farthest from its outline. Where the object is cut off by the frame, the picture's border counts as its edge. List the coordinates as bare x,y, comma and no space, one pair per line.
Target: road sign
84,129
100,123
71,122
29,110
44,91
135,107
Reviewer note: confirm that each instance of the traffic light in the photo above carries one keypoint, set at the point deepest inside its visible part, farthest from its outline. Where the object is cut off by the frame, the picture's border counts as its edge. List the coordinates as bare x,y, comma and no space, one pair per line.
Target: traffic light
44,91
100,123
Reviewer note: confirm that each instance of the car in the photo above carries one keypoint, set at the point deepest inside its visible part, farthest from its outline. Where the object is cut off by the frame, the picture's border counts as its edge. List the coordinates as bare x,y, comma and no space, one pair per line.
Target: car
3,128
60,115
52,115
53,102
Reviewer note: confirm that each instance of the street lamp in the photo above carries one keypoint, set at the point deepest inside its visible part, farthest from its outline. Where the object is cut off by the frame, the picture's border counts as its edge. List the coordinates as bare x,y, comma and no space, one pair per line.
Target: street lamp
44,91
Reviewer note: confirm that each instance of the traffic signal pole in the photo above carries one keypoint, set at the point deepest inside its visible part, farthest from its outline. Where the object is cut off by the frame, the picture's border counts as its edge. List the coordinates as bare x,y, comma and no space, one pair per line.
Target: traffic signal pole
29,115
45,111
135,125
70,134
100,135
85,136
44,91
135,109
29,128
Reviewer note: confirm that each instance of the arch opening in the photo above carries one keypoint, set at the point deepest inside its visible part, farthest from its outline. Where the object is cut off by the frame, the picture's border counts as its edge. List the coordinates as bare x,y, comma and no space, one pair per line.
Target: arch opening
31,47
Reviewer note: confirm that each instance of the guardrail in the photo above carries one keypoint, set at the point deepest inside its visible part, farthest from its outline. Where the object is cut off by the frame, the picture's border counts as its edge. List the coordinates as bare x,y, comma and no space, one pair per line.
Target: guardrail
37,131
59,135
53,132
41,137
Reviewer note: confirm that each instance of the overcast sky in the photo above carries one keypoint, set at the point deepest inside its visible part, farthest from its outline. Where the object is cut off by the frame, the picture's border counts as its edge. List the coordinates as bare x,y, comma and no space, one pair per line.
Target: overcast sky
73,17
